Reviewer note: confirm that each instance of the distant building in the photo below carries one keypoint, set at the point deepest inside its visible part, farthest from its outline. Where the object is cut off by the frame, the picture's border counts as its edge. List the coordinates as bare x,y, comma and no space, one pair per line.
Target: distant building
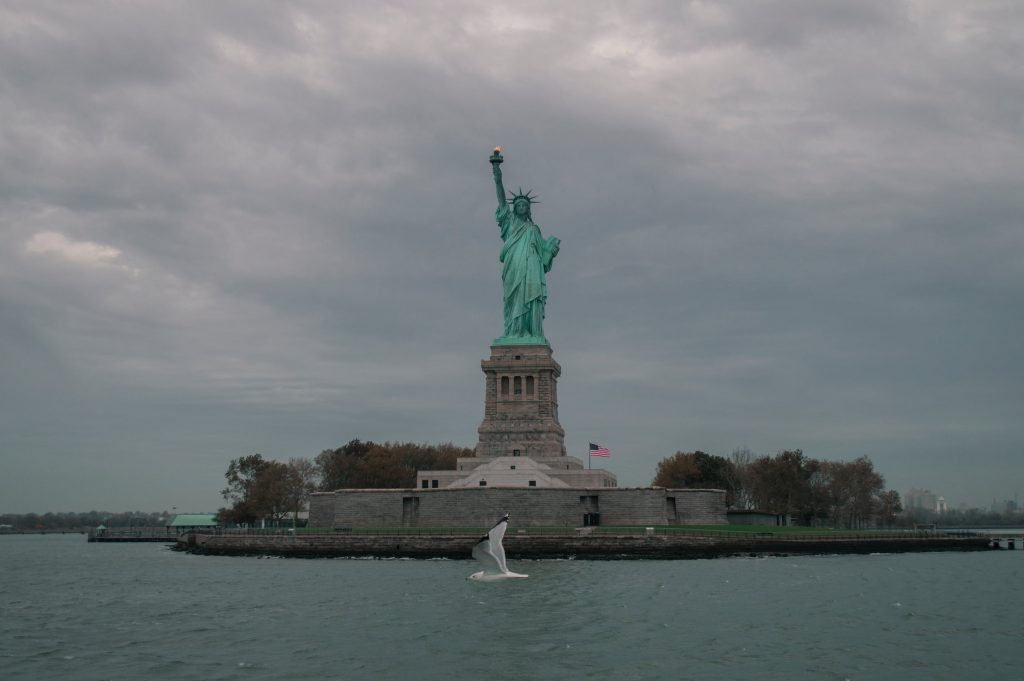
921,500
1005,507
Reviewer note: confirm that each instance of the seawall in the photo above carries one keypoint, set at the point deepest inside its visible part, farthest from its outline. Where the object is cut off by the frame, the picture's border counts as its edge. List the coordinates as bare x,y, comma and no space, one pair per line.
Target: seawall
529,507
579,546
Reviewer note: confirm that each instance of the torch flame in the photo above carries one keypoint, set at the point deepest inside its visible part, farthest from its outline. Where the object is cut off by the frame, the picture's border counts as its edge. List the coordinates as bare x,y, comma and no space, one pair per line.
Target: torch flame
497,150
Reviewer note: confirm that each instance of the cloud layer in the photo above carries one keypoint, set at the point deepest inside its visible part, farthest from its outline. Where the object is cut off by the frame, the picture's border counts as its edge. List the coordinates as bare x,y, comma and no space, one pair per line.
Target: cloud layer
250,227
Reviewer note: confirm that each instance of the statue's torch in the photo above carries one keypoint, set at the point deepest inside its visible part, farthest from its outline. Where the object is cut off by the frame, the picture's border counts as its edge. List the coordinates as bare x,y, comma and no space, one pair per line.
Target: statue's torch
496,157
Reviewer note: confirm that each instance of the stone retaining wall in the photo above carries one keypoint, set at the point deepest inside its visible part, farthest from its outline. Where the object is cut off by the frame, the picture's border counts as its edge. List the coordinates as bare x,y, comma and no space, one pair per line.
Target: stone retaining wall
540,507
581,545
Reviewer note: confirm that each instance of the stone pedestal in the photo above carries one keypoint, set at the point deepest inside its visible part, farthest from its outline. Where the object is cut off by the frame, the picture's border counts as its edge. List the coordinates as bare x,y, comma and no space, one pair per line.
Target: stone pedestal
521,404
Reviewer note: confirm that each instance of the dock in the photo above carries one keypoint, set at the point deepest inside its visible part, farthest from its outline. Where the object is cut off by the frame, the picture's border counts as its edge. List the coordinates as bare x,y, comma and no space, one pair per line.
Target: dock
134,534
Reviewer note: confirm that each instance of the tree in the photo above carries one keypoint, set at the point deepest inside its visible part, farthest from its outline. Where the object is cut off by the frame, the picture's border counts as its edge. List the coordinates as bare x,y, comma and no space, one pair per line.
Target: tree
818,501
844,493
853,488
270,497
781,483
258,489
678,470
339,468
864,487
889,506
301,482
241,476
697,470
740,476
388,465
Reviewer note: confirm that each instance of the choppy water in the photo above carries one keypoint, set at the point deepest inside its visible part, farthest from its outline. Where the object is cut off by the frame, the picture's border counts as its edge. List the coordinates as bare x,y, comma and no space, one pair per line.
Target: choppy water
74,610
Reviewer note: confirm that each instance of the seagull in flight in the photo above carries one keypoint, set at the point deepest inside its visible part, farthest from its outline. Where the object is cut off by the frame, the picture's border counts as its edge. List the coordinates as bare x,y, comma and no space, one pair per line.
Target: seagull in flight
491,554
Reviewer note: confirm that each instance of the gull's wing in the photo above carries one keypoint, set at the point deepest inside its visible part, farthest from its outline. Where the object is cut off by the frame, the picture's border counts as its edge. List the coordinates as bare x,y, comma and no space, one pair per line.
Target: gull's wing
495,536
489,550
483,551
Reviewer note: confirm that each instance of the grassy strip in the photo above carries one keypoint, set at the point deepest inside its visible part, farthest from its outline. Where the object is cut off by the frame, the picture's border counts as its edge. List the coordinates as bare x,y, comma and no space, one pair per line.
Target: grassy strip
745,529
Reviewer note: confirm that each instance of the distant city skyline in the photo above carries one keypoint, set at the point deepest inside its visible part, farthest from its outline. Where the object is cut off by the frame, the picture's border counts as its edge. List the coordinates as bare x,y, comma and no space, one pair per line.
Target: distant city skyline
227,229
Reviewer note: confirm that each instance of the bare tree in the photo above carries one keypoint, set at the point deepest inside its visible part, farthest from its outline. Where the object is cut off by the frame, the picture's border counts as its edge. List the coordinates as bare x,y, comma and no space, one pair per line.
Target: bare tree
303,476
741,458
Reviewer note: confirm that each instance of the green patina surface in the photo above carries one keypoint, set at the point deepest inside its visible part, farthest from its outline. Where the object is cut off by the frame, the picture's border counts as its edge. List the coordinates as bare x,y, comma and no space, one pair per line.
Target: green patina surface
525,258
194,520
520,340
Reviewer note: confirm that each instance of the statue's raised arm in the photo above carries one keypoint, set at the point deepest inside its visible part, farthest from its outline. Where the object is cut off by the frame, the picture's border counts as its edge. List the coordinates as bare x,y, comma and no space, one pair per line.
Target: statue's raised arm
496,160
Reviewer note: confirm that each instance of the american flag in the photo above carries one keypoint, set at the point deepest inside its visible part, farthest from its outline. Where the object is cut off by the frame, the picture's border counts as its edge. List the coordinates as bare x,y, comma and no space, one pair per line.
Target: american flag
598,450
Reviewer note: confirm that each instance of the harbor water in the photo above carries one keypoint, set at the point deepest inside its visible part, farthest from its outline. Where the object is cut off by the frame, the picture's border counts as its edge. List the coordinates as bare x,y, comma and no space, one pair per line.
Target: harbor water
79,611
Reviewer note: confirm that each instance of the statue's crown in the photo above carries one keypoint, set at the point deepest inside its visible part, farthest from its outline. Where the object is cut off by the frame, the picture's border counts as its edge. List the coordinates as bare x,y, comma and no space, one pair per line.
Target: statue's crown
528,196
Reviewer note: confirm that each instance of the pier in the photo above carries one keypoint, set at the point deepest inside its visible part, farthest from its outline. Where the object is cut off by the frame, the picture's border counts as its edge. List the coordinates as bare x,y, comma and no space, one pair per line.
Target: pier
134,534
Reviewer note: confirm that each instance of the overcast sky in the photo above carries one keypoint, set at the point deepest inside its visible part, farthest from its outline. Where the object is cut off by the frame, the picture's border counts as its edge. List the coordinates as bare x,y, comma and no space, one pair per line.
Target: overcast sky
229,228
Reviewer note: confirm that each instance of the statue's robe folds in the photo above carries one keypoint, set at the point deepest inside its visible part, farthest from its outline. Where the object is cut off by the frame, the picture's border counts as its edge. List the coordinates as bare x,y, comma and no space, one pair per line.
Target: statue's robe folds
525,257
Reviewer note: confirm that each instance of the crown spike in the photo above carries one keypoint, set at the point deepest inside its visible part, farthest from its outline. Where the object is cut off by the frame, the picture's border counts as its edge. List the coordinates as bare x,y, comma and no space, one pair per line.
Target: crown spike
529,196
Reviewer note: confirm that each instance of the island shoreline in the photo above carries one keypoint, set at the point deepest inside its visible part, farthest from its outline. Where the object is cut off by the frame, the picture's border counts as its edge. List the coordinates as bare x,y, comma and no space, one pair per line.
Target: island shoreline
582,547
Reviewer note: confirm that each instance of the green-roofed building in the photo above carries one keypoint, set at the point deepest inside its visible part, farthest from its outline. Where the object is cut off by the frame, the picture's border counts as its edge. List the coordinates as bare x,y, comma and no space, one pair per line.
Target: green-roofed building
193,521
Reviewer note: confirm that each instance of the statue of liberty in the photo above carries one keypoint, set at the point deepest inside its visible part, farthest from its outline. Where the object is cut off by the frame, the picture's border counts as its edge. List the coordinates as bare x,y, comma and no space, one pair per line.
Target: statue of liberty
525,257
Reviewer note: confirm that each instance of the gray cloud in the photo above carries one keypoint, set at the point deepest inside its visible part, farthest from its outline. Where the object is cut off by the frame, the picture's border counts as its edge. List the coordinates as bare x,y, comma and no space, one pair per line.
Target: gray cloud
237,227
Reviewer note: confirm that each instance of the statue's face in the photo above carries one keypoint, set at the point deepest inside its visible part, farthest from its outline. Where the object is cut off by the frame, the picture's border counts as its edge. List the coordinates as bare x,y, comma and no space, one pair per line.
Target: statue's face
521,208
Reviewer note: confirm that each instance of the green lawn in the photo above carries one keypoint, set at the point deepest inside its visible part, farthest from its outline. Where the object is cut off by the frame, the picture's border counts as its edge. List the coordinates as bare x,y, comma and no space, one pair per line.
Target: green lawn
732,530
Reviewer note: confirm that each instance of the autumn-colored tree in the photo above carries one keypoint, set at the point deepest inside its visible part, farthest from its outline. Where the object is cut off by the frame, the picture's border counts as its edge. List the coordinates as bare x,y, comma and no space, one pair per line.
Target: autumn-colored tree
818,500
265,489
697,470
781,483
889,506
843,493
846,493
302,479
739,477
339,468
388,465
678,470
241,476
270,497
855,486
